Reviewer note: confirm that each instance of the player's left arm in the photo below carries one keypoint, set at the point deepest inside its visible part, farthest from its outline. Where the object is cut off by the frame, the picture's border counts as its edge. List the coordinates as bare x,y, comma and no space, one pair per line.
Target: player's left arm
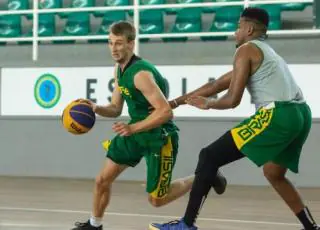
241,73
162,112
145,82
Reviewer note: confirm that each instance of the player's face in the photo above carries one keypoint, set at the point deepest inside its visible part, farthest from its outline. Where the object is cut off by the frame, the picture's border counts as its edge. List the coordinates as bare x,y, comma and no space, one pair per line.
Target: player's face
120,48
241,33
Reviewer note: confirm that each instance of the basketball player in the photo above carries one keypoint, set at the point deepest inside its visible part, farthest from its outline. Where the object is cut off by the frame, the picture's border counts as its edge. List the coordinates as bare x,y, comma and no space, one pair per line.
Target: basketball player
273,137
152,136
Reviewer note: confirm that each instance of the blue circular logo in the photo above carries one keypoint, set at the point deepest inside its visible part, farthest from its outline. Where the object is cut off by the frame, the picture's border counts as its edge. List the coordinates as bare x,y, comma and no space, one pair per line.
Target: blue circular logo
47,91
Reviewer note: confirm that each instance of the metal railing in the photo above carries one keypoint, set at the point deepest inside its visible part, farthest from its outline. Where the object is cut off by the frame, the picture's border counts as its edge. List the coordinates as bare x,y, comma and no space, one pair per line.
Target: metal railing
35,39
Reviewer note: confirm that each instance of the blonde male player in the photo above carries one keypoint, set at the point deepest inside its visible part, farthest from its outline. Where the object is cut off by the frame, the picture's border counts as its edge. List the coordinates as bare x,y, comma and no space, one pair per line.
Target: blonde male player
150,135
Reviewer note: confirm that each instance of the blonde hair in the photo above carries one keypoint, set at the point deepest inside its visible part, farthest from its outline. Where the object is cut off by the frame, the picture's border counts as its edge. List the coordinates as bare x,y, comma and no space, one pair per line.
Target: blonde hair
124,28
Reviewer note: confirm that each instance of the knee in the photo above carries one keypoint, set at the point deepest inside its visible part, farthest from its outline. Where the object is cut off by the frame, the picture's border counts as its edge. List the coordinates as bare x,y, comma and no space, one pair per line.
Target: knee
272,175
103,183
203,156
206,161
155,202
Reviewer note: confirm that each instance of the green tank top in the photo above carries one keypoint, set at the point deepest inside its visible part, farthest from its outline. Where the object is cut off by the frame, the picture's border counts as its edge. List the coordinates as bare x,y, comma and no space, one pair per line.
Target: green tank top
138,105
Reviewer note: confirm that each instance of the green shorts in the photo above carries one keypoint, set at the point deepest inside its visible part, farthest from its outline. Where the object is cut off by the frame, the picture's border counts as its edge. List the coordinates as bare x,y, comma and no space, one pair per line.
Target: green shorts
275,134
159,151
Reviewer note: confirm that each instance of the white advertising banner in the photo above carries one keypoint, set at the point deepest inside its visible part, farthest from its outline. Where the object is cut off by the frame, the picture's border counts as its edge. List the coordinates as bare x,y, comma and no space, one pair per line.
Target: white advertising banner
46,91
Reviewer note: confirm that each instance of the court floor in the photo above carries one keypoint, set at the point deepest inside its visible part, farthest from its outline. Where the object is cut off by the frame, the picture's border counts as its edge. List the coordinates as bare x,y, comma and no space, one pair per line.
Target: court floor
39,203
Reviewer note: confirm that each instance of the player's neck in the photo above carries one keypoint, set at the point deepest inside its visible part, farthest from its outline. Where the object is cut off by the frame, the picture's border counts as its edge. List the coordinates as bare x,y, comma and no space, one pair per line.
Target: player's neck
123,64
255,37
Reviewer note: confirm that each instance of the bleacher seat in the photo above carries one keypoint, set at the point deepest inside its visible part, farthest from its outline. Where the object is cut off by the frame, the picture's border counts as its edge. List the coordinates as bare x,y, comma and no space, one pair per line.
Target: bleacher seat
111,3
46,28
50,4
147,2
78,23
151,22
47,4
10,25
213,9
274,16
294,6
188,20
108,18
176,10
77,4
47,25
17,5
226,20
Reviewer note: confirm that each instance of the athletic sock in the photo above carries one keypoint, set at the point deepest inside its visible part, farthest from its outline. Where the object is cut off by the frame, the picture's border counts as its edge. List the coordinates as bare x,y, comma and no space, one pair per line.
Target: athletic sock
95,221
306,219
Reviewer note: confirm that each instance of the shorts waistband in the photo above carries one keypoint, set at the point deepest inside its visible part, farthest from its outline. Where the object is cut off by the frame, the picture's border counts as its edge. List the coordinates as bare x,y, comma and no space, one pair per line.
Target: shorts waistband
277,104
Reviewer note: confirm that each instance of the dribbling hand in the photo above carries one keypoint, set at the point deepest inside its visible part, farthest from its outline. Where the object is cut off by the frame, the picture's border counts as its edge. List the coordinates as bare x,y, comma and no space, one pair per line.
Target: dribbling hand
91,103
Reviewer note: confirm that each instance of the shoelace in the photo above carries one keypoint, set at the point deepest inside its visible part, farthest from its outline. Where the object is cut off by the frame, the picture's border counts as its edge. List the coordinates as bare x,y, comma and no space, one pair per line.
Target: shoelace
172,222
79,224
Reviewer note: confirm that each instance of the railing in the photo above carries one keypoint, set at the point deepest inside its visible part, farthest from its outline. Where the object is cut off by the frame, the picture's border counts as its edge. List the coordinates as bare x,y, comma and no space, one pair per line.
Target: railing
136,7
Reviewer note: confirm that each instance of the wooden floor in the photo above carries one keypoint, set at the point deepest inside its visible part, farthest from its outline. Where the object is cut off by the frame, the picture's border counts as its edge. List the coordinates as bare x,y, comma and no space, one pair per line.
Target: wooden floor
28,203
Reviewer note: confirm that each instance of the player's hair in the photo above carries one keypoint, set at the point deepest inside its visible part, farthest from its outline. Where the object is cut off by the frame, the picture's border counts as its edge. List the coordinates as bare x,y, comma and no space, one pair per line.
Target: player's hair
258,14
123,28
259,17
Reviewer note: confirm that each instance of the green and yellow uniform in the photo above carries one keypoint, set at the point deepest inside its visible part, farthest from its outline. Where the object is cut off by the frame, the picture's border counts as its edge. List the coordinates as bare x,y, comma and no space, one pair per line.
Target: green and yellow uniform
158,146
279,128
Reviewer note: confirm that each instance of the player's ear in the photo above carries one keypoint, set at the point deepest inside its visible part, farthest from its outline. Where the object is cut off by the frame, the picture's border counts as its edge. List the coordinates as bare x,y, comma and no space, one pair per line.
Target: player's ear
250,28
131,44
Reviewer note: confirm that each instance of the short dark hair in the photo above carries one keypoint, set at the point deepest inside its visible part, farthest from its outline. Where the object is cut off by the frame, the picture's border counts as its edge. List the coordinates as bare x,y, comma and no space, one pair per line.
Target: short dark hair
258,14
123,28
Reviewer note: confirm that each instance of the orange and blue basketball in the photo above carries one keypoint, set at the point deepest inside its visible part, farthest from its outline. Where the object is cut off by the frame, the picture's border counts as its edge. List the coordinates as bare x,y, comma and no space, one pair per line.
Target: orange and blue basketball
78,117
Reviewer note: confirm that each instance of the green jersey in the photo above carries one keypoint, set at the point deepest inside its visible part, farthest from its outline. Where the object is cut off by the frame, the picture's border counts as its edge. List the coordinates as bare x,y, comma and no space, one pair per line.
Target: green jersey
138,105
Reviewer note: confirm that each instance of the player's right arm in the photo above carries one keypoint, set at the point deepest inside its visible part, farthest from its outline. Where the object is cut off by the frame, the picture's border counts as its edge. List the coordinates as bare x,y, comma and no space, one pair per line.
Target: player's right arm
207,90
114,109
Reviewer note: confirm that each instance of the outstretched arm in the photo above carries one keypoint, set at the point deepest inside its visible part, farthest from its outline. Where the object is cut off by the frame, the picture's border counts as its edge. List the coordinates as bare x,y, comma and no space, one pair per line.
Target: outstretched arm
207,90
240,75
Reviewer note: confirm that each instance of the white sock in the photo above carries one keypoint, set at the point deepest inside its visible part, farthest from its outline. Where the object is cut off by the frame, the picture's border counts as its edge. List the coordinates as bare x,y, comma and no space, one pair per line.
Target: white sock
95,221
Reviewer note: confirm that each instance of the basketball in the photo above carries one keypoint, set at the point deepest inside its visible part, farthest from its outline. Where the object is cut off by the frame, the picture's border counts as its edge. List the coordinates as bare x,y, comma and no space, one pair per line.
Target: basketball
78,117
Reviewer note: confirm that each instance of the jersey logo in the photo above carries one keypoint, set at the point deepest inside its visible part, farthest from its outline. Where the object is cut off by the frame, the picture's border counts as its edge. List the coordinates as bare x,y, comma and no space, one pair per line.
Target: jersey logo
245,133
167,163
124,91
